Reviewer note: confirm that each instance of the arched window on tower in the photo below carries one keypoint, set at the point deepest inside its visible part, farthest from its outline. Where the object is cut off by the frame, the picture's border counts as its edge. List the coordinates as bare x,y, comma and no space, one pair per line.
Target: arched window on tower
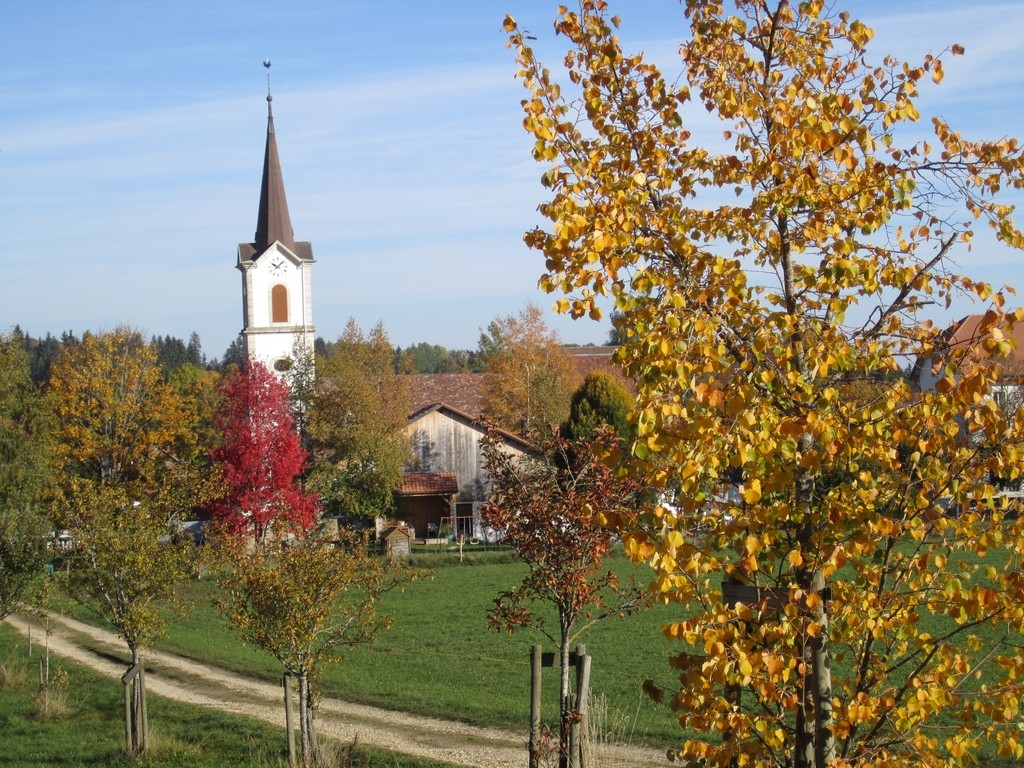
279,304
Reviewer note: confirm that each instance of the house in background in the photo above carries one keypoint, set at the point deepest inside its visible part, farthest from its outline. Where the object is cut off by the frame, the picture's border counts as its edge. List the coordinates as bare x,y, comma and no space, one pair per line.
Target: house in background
446,477
964,333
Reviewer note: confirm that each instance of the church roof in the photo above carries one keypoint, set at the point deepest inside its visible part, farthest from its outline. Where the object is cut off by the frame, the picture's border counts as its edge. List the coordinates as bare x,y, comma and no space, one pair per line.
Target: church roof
273,223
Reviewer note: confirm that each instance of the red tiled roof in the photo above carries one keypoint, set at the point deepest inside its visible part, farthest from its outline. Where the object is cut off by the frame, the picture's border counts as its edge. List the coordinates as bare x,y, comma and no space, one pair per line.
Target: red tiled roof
429,484
965,333
590,360
462,391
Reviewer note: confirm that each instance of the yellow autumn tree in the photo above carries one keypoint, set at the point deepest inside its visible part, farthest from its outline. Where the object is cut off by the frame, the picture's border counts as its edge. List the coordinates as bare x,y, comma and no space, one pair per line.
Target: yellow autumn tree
529,377
127,476
770,288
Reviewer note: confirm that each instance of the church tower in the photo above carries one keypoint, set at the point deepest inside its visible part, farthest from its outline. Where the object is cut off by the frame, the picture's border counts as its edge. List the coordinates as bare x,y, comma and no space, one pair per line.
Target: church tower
277,305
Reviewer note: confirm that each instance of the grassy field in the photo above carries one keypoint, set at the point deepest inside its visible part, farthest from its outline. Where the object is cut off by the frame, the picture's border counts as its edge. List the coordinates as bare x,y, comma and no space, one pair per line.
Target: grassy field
84,725
441,659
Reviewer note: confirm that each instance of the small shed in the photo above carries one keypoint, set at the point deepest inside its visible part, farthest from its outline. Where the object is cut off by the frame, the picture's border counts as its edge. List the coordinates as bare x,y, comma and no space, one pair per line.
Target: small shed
425,499
396,541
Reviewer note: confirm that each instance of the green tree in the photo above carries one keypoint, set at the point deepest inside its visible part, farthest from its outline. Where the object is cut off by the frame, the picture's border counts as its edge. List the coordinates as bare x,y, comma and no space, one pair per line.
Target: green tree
601,400
617,333
305,603
25,473
529,377
201,390
233,355
746,323
171,352
357,424
127,478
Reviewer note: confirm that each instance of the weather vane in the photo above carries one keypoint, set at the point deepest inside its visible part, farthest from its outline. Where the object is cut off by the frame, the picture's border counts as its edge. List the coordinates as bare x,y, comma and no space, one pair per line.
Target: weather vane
267,65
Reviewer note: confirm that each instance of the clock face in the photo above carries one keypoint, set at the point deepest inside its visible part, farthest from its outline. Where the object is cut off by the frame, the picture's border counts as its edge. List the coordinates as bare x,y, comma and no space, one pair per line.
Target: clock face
277,266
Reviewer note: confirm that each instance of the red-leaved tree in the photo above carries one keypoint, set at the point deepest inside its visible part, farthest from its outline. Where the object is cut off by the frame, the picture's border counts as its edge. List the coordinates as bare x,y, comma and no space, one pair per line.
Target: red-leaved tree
261,459
552,507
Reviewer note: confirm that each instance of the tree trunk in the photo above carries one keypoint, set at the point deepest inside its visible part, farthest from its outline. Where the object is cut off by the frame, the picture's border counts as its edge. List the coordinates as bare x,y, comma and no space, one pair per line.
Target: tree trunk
821,672
304,721
307,732
136,730
565,704
815,741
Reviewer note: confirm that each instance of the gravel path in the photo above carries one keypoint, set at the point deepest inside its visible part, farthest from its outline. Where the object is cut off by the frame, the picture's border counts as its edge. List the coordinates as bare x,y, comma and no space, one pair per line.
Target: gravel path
185,680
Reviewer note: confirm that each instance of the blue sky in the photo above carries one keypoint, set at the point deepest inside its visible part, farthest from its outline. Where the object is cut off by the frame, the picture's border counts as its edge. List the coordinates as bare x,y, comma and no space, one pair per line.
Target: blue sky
132,133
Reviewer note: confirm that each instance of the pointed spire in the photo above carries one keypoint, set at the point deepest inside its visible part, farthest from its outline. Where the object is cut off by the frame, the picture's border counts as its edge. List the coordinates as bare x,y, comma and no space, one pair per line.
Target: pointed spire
274,223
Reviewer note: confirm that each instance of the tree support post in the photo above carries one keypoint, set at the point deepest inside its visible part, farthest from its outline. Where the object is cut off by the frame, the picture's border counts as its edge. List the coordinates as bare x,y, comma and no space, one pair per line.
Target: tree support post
580,752
143,710
573,754
134,709
535,668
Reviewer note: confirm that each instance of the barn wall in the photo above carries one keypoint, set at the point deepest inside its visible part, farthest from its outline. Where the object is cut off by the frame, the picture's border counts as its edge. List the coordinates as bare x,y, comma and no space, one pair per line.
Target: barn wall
443,442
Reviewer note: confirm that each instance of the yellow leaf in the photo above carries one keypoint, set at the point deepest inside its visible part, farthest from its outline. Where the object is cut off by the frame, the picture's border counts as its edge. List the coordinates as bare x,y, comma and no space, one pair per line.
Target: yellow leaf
752,491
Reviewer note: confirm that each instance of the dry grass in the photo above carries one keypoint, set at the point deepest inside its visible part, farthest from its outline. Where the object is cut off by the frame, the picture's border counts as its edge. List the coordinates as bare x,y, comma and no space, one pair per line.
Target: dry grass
12,672
52,696
605,727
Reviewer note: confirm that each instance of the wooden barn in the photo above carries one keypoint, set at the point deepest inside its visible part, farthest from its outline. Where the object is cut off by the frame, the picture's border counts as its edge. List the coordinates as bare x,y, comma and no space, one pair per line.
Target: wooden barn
447,471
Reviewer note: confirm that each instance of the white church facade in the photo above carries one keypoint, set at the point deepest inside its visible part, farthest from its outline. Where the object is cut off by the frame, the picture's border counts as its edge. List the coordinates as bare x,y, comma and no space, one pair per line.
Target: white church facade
277,300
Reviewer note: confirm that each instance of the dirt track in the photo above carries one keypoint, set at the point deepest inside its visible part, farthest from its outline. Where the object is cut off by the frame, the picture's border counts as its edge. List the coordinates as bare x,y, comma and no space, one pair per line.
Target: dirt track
190,682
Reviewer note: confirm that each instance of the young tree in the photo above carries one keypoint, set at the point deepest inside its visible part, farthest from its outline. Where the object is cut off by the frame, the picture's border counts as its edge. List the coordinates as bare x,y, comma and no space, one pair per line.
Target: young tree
126,480
747,323
357,425
304,604
261,459
529,377
550,508
25,473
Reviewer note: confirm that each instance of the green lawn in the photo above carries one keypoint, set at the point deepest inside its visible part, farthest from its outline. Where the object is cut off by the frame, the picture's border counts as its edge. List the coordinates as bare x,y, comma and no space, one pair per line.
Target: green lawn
441,659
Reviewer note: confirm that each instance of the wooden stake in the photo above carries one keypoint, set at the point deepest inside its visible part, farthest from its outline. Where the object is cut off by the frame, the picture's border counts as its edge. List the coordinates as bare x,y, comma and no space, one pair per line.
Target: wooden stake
582,701
128,745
